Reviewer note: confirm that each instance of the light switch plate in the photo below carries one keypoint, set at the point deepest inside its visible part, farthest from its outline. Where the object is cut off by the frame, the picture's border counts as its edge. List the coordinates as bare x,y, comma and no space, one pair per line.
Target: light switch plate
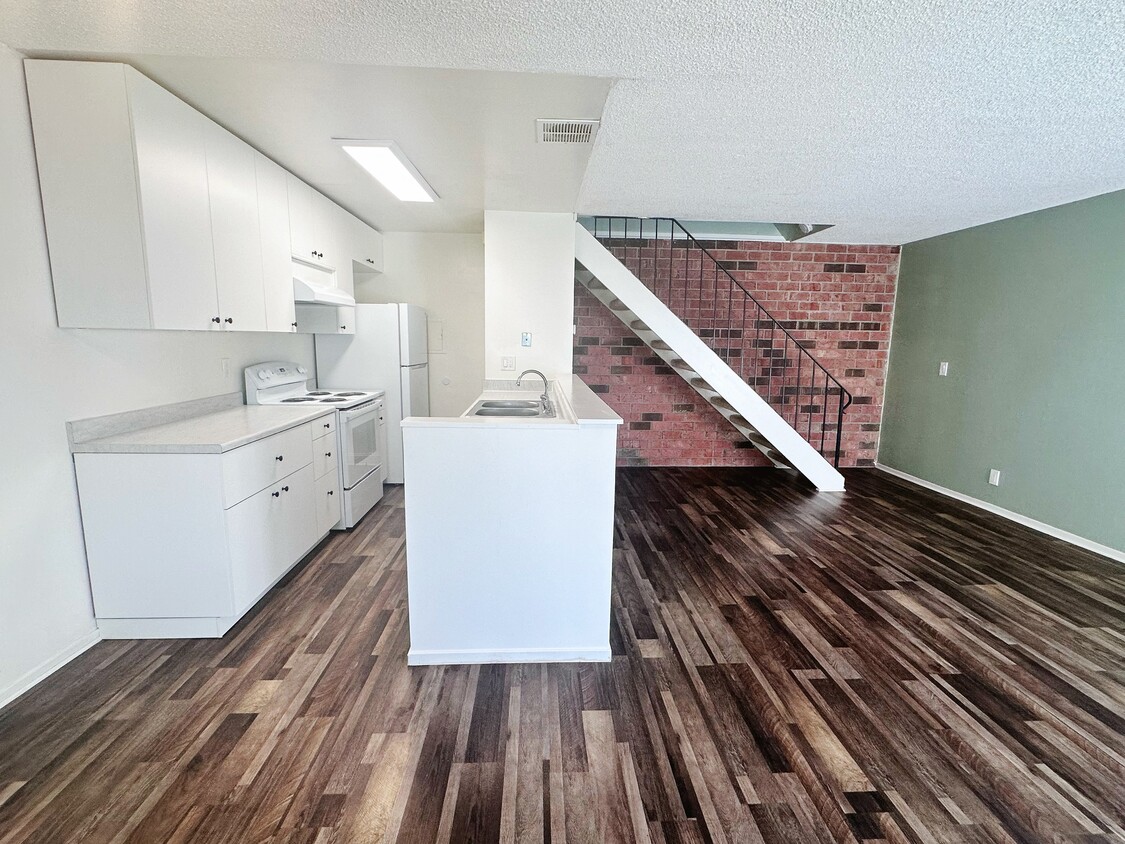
994,477
508,363
525,339
943,368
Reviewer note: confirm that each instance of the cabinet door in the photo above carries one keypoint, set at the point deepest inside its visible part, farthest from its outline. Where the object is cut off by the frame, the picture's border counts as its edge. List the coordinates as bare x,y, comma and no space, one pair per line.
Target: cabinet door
299,530
256,553
369,248
328,497
327,222
170,139
277,262
302,223
269,532
235,230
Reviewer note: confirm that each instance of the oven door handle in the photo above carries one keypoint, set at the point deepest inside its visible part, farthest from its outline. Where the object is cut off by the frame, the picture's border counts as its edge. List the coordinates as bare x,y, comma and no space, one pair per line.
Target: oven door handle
355,414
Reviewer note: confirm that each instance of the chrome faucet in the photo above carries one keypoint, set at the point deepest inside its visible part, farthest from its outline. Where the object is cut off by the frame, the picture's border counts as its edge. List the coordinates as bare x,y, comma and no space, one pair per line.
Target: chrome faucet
543,398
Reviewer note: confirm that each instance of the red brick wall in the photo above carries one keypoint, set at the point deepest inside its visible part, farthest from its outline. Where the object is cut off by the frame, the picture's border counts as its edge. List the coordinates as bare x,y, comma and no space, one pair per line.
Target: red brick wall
835,299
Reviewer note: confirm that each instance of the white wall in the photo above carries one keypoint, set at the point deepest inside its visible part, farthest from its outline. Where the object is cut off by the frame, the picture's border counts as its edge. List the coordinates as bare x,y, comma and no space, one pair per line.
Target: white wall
444,273
528,286
55,375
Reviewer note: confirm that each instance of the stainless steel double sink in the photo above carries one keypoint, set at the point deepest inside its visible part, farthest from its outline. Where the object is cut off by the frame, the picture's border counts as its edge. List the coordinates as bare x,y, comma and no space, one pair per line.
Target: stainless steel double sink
513,408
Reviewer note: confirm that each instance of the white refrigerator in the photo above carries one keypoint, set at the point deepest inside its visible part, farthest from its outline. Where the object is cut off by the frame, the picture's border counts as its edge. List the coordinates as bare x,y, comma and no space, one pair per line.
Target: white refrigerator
387,352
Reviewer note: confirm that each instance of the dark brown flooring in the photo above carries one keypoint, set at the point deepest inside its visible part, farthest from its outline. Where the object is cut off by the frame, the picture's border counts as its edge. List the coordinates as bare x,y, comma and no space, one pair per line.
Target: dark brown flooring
882,665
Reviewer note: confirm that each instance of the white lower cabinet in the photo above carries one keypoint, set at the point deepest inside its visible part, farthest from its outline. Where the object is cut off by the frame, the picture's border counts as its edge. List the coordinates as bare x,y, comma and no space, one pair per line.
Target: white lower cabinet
268,532
329,492
327,502
177,550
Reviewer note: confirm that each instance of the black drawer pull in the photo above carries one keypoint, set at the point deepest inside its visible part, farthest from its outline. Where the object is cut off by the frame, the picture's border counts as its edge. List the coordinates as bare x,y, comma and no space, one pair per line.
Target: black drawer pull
276,494
328,454
285,489
279,458
331,492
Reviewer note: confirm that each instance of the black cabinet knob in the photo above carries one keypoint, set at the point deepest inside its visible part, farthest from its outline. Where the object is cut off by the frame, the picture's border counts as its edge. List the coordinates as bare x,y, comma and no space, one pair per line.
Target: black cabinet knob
276,494
293,324
314,253
328,454
330,492
215,319
285,489
229,321
327,424
343,328
279,458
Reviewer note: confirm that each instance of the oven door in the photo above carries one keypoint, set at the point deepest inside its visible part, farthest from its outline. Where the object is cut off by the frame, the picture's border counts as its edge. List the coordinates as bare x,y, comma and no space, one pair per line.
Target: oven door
359,442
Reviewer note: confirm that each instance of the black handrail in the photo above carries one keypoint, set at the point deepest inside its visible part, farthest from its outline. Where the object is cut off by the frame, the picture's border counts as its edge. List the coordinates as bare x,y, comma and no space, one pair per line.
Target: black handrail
681,288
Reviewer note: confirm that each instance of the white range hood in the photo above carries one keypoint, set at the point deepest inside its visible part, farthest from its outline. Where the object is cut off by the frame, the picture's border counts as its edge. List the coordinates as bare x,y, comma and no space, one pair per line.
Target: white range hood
309,293
315,286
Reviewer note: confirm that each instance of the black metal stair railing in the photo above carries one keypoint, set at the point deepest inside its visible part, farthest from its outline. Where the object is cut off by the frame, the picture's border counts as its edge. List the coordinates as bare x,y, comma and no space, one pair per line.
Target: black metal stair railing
703,294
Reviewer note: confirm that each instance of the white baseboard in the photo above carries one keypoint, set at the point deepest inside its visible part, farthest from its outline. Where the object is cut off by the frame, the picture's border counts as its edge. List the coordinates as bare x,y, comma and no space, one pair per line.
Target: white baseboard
48,667
476,656
1011,515
165,628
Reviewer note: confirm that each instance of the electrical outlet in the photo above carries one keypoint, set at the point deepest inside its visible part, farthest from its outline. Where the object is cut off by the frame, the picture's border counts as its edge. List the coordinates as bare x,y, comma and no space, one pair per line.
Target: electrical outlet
224,367
508,363
943,368
994,477
525,339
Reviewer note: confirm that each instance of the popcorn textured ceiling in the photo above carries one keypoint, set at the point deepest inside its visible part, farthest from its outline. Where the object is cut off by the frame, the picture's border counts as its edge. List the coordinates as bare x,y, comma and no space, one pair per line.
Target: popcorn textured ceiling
895,120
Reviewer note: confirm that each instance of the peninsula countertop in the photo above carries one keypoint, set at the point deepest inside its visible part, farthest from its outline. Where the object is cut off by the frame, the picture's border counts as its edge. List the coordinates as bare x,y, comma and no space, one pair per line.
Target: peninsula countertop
575,404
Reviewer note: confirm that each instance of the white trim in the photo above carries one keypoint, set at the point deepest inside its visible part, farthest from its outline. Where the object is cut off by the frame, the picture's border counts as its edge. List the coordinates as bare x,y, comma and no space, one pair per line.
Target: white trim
474,656
48,667
168,628
1011,515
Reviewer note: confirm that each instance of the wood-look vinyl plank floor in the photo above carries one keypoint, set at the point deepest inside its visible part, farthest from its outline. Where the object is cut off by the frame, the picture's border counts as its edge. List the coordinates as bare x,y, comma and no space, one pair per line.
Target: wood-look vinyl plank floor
882,665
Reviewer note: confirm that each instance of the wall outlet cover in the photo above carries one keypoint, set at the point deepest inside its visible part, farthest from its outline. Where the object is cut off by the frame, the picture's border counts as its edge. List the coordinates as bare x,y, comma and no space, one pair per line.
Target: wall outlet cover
943,368
508,363
525,339
994,477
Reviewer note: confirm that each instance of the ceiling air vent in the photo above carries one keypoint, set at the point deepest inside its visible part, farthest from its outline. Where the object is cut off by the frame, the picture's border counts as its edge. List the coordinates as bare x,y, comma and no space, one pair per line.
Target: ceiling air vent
565,131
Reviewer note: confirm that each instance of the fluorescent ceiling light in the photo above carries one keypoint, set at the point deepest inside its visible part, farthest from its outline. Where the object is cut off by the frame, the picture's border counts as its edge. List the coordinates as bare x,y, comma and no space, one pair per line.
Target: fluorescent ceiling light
385,161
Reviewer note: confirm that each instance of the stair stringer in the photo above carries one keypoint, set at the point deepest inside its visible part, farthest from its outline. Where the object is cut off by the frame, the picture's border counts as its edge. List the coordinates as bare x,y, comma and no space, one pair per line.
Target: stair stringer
637,302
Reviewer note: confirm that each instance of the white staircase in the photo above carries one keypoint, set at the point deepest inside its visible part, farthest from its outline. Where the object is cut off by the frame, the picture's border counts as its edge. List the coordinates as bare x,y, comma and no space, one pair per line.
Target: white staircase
612,283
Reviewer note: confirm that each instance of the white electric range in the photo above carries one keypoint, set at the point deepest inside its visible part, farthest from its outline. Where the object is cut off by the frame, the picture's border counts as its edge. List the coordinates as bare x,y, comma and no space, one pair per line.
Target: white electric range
361,434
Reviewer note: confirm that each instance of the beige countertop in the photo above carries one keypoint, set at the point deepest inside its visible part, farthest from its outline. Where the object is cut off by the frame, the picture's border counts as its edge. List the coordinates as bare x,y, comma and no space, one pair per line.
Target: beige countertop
211,433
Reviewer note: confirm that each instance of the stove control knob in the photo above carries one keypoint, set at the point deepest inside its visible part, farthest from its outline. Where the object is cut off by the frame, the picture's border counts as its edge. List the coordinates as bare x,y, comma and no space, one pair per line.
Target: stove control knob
263,374
301,370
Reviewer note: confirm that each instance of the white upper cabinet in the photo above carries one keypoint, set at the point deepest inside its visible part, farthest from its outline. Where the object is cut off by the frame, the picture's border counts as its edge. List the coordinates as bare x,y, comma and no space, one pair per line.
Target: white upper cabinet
277,265
157,217
170,145
367,247
236,231
319,229
302,223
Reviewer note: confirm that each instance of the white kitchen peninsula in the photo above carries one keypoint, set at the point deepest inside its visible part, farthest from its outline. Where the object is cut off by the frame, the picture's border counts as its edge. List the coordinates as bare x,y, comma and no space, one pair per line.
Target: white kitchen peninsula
509,530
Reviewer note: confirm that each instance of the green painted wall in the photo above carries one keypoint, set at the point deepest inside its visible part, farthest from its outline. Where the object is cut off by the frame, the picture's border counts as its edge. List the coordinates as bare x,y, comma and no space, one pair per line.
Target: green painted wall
1030,314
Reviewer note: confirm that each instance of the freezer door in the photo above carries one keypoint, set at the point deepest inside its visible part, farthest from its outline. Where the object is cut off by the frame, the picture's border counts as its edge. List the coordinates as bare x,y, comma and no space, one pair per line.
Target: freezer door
415,391
412,335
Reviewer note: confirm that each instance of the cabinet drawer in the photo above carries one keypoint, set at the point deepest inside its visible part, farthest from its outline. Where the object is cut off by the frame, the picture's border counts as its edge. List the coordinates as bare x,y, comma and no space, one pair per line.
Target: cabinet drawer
327,502
324,457
253,467
324,426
